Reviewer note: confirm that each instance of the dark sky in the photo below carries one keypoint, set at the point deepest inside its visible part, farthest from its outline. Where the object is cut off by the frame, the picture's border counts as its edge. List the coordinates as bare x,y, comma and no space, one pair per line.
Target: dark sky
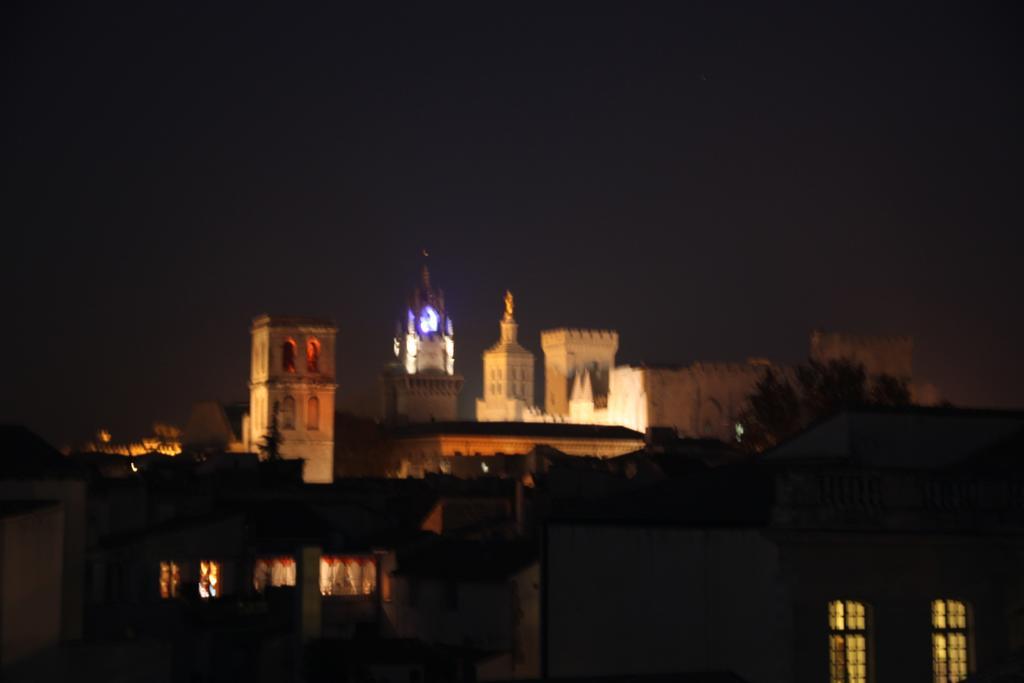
713,181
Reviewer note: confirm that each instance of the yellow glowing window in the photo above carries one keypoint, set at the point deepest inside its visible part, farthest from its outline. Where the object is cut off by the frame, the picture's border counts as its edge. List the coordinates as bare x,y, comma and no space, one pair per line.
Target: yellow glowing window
847,642
273,571
347,575
209,579
170,580
949,640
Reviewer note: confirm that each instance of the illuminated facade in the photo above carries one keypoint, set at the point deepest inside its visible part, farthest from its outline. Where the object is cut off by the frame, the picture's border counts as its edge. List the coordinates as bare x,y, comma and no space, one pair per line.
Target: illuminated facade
420,385
292,380
569,357
508,375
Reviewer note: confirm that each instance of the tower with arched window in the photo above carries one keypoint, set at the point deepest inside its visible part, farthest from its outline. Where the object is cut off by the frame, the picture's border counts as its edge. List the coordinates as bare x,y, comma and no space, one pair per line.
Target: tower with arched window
293,372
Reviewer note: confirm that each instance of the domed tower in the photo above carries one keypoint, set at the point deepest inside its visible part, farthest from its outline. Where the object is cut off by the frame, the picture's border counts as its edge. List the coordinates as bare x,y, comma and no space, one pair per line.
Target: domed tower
420,385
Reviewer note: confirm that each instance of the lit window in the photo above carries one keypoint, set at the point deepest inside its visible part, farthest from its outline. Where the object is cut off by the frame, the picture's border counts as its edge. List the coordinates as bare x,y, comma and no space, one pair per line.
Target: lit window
288,413
385,586
288,356
273,571
170,580
347,575
313,414
312,355
209,579
949,640
847,642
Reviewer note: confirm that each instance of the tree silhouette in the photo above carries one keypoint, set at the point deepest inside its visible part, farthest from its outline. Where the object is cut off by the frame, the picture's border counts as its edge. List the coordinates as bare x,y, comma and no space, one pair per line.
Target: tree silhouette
773,413
777,409
270,445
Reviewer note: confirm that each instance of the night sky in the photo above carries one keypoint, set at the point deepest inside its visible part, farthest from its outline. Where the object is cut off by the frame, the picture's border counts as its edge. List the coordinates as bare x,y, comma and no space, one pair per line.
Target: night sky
711,181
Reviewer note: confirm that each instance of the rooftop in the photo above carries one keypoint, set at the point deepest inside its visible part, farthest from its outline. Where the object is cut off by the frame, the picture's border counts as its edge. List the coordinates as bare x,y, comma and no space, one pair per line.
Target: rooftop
525,429
465,560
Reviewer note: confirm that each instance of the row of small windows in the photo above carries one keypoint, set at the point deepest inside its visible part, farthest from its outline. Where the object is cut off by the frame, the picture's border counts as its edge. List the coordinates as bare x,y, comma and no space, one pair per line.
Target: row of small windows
339,575
288,353
514,373
848,639
518,390
312,413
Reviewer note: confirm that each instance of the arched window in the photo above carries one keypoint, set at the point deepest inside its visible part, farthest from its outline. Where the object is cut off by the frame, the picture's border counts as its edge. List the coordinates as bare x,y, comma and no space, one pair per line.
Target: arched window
313,413
288,356
288,413
312,355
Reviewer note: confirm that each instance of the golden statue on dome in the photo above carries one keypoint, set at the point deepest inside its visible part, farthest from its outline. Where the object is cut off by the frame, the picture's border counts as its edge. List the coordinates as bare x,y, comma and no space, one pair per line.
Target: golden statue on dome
509,305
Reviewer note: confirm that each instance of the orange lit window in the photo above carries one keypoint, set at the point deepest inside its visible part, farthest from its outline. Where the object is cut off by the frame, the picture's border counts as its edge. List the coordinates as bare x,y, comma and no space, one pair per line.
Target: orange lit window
312,355
209,579
288,356
273,571
313,414
847,642
170,580
347,575
288,413
385,586
949,640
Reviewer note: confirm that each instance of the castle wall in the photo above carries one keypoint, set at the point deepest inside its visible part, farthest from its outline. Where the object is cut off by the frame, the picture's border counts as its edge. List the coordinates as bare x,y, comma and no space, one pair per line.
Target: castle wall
700,400
879,355
627,399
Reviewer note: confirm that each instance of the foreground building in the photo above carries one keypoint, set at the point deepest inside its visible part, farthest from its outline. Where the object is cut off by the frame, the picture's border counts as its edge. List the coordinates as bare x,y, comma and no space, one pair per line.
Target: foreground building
877,546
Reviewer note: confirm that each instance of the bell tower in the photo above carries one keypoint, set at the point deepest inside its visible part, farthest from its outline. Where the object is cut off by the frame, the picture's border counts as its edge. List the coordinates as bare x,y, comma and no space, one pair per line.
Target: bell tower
420,385
293,374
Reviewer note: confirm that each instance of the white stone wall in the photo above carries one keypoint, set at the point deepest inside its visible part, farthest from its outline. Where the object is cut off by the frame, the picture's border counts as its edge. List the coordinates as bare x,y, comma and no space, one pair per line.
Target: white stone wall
627,400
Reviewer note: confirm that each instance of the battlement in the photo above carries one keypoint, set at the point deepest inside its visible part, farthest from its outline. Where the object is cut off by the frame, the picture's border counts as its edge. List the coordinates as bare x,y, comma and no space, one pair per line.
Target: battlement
730,368
564,336
304,323
891,355
822,337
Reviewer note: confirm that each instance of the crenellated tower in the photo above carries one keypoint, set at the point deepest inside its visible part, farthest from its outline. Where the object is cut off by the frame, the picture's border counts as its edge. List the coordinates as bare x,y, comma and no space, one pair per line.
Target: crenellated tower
568,354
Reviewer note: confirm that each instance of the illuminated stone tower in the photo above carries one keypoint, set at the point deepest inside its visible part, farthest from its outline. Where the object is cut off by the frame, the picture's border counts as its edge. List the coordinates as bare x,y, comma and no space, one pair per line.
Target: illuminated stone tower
508,375
569,354
421,384
293,372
